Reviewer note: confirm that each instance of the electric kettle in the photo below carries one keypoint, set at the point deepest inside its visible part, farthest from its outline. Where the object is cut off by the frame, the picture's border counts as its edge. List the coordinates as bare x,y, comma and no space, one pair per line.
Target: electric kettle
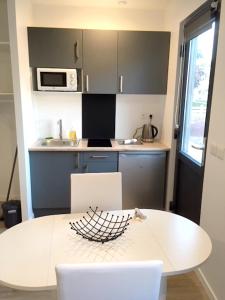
149,131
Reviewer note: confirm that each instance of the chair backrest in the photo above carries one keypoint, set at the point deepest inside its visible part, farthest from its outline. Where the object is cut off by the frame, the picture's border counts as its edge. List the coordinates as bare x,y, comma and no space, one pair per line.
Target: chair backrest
109,281
96,189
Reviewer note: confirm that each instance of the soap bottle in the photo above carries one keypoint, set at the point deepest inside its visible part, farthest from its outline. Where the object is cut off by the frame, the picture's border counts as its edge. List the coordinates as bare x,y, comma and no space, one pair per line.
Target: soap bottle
72,134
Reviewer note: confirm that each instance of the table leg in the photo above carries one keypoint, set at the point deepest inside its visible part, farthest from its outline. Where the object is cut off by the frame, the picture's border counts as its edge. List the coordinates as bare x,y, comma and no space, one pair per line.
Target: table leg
163,288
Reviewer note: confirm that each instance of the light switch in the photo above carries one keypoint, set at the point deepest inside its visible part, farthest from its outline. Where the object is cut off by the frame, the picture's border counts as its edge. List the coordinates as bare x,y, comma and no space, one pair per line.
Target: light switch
217,151
213,149
220,152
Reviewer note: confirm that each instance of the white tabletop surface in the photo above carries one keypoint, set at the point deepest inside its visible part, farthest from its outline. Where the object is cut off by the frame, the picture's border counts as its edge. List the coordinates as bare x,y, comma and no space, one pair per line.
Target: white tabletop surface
29,251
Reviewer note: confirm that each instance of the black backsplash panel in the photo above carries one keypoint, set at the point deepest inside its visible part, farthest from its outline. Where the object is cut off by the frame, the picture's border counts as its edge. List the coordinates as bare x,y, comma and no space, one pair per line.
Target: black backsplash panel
98,116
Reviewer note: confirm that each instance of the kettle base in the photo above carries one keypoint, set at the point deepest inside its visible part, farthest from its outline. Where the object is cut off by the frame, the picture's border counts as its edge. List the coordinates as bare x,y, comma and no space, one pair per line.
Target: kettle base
147,140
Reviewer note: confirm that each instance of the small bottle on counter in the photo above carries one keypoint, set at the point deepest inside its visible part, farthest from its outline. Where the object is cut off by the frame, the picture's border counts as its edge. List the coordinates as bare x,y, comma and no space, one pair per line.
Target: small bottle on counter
72,134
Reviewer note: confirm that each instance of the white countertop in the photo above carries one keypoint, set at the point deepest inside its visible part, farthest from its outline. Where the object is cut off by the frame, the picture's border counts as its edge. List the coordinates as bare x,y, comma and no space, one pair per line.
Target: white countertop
156,146
30,250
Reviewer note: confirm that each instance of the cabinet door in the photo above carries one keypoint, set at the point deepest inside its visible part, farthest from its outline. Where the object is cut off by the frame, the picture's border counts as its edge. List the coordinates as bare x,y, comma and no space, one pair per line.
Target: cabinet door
55,47
143,179
100,61
143,62
100,162
50,179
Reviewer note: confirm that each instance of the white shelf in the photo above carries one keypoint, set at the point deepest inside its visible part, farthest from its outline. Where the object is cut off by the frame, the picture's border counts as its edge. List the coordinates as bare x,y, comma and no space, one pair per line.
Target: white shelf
6,97
4,46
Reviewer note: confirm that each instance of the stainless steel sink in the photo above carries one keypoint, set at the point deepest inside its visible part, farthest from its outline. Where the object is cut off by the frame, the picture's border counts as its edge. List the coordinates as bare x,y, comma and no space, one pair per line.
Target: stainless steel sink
130,142
59,143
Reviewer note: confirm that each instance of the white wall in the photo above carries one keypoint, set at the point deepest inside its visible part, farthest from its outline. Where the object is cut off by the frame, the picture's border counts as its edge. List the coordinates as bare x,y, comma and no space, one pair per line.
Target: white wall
131,109
97,18
49,107
213,202
7,150
7,115
19,15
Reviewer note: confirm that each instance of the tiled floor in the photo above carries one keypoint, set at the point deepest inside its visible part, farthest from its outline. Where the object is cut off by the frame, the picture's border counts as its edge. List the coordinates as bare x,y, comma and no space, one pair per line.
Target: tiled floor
182,287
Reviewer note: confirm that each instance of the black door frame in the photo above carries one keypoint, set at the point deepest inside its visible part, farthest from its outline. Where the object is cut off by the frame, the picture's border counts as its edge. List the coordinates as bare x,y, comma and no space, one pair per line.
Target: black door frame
181,87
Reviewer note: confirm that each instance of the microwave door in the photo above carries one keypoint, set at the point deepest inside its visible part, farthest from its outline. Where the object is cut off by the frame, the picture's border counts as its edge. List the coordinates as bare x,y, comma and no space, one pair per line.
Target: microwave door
53,80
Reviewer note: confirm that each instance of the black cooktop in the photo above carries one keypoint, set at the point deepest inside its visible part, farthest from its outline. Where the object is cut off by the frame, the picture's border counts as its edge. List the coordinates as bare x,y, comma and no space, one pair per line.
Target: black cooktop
99,143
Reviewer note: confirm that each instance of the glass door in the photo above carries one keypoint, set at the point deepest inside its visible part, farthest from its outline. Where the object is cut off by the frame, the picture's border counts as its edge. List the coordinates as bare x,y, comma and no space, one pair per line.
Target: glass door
200,51
200,32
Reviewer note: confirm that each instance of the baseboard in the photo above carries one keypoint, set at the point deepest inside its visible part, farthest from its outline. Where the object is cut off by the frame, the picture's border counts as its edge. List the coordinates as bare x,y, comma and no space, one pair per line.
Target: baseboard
206,284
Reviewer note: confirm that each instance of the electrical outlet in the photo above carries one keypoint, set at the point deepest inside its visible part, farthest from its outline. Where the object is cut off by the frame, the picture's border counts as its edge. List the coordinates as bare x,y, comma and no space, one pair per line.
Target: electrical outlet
213,149
144,116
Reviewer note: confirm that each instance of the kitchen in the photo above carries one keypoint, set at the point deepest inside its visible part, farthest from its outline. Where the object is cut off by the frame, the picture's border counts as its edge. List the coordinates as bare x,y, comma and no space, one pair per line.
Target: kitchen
162,110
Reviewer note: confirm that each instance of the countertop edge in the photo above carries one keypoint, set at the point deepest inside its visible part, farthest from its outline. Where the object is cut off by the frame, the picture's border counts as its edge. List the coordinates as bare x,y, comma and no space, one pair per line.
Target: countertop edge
82,147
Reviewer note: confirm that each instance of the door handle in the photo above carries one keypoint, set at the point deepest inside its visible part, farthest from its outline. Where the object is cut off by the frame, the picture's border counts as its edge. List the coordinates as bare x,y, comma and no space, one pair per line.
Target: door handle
87,83
77,164
85,167
121,83
76,51
202,147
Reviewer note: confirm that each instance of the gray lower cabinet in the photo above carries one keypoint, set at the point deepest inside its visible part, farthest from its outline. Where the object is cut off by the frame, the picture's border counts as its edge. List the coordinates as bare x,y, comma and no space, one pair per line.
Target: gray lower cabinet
100,61
99,162
55,47
143,62
50,181
143,177
50,176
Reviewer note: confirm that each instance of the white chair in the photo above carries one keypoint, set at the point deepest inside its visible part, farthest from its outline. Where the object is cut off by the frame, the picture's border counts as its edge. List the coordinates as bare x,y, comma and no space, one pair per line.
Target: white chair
109,281
103,190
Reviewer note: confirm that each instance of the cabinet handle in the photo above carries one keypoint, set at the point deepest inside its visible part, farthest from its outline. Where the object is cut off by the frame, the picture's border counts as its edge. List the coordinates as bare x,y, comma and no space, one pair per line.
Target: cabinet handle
121,83
99,156
85,167
77,165
87,83
76,51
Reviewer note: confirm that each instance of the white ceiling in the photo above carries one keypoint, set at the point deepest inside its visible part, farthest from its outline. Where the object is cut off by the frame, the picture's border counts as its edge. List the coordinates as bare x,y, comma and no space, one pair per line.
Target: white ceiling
134,4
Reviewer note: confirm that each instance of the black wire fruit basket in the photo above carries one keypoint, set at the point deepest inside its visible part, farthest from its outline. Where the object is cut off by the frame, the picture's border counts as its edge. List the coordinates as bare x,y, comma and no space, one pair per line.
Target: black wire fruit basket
100,226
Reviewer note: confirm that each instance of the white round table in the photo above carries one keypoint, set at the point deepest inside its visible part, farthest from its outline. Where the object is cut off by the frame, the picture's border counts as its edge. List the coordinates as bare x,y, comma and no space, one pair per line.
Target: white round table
30,251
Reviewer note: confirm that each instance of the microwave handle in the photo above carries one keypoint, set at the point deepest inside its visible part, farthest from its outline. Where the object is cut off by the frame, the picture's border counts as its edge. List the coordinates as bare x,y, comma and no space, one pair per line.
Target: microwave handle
76,51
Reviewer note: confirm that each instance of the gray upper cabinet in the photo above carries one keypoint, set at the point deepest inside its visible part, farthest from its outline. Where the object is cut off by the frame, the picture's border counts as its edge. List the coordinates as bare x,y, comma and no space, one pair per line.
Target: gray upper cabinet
55,47
100,61
143,62
129,62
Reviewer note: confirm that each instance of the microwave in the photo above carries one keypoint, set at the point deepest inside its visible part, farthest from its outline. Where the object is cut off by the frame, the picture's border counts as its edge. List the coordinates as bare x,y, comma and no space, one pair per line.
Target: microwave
52,79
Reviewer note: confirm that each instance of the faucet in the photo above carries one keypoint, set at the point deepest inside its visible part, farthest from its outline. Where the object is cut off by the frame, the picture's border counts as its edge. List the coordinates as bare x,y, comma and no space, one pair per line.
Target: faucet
60,128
